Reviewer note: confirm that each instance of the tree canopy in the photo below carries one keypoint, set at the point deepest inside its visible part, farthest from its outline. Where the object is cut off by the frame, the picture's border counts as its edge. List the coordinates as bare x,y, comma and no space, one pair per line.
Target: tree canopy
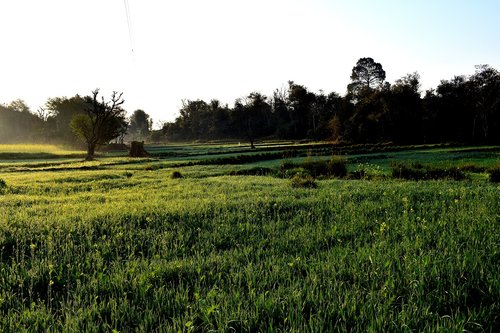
366,76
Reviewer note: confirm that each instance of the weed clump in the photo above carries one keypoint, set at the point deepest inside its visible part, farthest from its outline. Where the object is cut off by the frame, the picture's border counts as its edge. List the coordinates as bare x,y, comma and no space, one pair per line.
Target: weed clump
3,185
257,171
303,180
472,168
176,175
358,174
151,167
418,171
335,167
495,174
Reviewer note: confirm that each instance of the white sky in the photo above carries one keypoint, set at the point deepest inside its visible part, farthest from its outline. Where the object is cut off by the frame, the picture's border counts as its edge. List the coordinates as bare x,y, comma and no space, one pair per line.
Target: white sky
225,49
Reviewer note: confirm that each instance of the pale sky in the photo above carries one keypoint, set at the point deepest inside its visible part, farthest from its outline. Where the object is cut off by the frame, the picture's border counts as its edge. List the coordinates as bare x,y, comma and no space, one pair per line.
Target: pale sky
225,49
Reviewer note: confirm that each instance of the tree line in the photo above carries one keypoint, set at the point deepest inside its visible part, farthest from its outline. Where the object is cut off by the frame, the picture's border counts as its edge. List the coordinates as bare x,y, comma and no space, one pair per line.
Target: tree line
71,120
463,109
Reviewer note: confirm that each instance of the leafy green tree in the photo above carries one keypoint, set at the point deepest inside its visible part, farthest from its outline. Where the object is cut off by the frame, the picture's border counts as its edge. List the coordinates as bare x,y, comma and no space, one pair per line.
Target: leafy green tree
454,110
140,125
252,116
19,105
300,102
403,111
279,104
102,121
484,88
18,124
59,112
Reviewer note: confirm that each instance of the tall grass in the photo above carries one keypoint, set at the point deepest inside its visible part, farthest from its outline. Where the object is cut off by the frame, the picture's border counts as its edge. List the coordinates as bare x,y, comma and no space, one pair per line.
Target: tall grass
97,250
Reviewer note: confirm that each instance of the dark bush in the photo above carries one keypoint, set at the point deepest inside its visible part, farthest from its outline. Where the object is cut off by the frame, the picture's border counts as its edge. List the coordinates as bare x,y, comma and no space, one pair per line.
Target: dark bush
336,167
257,171
286,165
495,174
3,186
153,167
472,168
418,171
176,175
359,174
303,181
315,168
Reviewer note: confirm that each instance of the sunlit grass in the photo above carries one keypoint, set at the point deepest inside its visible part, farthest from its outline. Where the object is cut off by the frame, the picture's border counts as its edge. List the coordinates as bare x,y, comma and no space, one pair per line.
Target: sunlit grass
37,148
117,244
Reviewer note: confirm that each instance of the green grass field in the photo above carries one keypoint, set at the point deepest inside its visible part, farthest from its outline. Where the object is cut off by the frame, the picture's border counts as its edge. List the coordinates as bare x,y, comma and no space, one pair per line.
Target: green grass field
116,244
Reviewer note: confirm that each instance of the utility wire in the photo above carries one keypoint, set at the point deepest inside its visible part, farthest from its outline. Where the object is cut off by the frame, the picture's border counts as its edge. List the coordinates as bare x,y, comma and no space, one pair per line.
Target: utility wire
129,24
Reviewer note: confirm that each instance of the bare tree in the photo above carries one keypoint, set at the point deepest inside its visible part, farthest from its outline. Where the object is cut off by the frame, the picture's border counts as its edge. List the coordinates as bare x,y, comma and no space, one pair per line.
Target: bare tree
102,121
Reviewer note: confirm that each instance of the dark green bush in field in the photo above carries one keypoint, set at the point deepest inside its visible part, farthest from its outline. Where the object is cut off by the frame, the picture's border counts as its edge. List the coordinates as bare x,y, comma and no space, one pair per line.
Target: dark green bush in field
303,180
258,171
495,174
153,167
241,159
176,175
418,171
286,165
359,174
472,168
3,185
335,167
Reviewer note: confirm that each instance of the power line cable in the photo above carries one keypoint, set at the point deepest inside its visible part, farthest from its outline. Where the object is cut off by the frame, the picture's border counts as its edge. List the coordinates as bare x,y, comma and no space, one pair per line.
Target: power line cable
129,24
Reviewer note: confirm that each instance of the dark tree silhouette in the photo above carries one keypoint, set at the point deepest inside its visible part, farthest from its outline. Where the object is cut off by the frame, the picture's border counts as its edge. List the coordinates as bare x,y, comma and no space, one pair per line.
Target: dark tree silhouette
300,102
140,125
251,116
403,111
102,122
464,109
485,91
366,75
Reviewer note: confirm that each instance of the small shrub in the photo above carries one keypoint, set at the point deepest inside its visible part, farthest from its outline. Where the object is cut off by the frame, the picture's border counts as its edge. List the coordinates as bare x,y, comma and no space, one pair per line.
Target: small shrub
358,174
418,171
286,165
128,174
152,167
176,175
303,181
3,185
257,171
495,174
472,168
315,168
296,171
337,167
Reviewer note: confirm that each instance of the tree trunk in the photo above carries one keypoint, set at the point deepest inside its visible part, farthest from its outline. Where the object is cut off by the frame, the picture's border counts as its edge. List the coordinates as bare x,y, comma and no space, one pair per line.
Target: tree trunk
137,149
90,151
